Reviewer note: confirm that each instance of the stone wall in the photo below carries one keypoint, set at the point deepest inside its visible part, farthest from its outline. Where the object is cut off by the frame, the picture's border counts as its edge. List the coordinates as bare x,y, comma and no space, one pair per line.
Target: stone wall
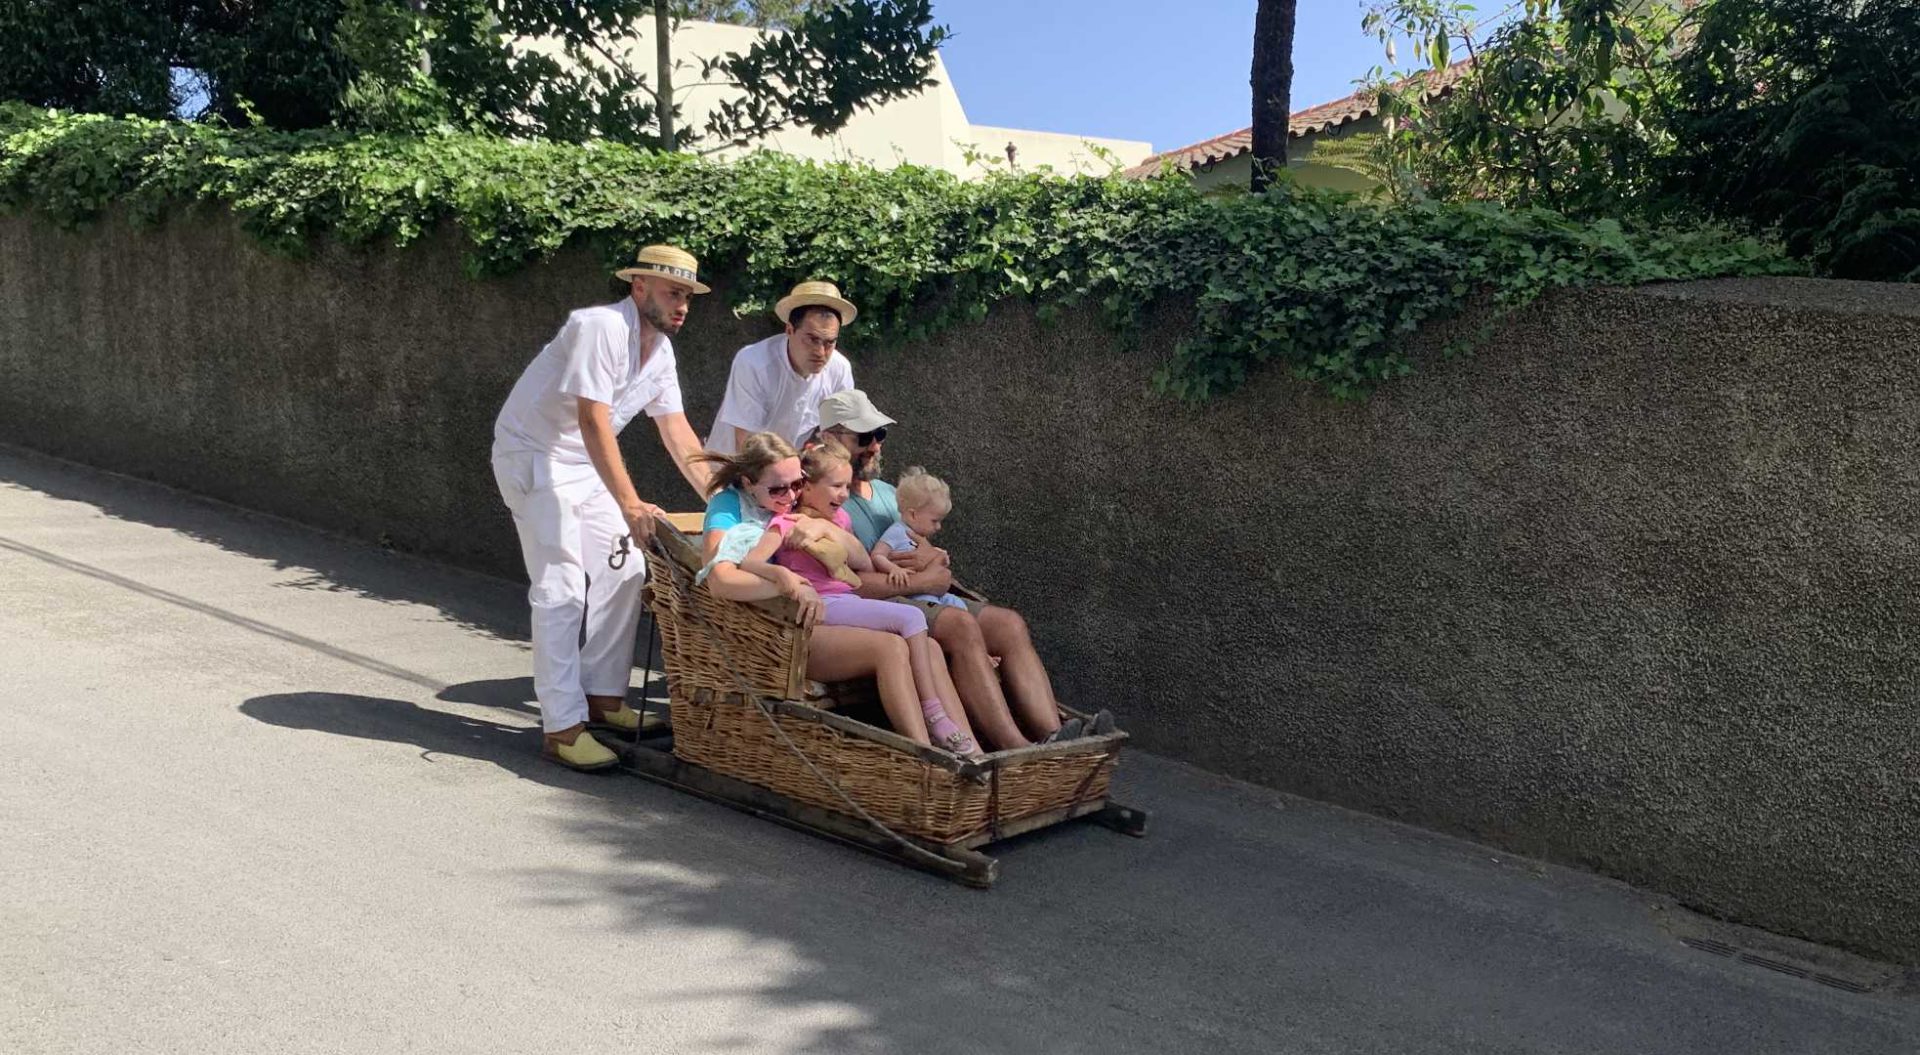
1635,588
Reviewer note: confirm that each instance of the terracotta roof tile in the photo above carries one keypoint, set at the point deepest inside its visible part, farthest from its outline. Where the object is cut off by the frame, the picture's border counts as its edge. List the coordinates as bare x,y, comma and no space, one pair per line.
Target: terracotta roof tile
1314,119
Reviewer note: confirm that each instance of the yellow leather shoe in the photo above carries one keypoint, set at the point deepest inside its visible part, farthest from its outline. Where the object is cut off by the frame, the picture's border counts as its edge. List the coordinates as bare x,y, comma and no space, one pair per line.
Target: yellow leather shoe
585,753
624,720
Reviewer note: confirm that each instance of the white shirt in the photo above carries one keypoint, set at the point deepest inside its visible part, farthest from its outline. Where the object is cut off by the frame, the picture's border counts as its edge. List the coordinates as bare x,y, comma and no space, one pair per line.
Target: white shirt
764,394
596,355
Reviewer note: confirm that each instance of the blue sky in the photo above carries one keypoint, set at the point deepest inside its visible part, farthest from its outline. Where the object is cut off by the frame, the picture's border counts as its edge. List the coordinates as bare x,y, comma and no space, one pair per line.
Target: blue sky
1173,71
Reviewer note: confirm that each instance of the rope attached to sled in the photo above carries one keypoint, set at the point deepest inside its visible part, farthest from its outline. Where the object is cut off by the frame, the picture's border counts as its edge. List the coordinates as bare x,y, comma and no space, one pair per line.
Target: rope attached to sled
679,574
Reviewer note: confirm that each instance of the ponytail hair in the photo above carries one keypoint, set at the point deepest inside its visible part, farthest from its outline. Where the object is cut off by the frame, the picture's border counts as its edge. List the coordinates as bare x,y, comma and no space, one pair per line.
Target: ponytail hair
824,455
744,466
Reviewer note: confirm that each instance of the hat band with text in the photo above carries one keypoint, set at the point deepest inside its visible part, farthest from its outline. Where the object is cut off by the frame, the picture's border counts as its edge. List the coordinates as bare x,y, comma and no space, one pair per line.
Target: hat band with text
667,269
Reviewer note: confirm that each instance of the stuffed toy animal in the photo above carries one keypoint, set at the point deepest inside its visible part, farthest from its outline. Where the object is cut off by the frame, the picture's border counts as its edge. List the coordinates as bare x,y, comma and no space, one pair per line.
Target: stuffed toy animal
829,552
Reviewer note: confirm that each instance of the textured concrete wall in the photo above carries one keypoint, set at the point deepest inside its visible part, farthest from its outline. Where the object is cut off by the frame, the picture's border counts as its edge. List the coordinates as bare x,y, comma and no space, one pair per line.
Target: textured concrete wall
354,390
1635,588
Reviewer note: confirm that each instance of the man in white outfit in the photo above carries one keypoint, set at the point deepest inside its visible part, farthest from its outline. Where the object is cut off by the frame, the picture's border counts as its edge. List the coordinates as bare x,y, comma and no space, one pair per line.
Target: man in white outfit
776,385
556,457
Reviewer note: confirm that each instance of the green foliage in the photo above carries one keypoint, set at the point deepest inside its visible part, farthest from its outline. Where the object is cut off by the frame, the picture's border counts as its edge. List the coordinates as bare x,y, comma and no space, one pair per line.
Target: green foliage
102,55
388,88
567,70
767,14
1567,106
271,59
469,64
838,59
1795,118
1805,115
1368,153
1315,283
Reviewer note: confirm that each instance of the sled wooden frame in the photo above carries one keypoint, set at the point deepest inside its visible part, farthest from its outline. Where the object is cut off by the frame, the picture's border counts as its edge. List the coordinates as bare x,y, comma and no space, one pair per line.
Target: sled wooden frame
785,755
962,862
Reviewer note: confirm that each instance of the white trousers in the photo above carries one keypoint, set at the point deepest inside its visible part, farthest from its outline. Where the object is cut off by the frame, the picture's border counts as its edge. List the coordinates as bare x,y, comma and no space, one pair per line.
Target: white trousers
567,529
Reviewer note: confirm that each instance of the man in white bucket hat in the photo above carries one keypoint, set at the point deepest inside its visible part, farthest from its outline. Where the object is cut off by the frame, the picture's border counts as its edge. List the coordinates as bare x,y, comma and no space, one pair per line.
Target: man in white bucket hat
776,385
556,458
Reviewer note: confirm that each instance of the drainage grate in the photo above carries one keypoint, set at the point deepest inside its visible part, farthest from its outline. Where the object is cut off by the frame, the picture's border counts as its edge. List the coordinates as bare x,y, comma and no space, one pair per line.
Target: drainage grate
1720,948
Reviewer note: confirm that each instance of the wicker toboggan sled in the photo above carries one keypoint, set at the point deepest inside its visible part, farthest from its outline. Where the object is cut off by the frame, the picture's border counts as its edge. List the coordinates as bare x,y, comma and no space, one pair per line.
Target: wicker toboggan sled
750,731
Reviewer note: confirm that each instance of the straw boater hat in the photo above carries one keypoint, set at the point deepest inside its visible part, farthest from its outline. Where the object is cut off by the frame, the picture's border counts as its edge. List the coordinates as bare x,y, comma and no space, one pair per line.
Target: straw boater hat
664,261
824,293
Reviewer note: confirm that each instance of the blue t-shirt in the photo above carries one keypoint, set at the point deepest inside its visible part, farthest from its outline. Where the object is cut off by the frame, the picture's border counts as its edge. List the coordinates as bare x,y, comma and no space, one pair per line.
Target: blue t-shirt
734,547
728,511
871,516
723,510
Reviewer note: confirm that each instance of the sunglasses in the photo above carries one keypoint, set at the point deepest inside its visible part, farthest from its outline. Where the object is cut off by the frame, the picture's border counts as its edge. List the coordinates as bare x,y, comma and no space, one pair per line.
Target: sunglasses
793,488
876,436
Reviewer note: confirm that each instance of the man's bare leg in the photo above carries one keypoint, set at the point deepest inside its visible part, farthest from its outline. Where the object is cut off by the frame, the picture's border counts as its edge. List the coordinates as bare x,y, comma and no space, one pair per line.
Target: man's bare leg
1006,636
973,674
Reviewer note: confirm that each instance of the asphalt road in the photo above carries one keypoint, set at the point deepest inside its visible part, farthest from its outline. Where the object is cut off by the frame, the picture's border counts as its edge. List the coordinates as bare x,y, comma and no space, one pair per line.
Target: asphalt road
266,790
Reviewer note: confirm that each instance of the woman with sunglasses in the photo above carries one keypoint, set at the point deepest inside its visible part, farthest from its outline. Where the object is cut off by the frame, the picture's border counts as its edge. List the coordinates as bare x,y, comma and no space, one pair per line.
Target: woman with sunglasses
750,488
746,486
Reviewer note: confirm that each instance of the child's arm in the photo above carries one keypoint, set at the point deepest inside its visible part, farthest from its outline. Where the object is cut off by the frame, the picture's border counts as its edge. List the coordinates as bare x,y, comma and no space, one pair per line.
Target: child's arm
935,556
806,530
857,556
882,562
759,561
738,581
730,581
921,557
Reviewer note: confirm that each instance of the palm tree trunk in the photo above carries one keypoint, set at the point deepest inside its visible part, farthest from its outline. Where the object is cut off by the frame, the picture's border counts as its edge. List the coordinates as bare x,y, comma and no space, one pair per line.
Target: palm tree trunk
663,58
1272,87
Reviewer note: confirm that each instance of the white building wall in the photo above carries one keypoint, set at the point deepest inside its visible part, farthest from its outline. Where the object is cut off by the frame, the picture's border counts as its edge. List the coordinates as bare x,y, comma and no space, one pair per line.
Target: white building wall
1086,155
928,129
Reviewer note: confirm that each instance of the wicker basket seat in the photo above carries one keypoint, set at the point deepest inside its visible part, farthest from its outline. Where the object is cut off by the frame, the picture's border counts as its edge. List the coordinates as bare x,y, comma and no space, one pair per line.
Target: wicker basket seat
786,736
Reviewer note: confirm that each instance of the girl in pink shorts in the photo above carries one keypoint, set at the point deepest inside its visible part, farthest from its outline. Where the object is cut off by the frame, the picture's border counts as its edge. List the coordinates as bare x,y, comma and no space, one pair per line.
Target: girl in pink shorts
779,559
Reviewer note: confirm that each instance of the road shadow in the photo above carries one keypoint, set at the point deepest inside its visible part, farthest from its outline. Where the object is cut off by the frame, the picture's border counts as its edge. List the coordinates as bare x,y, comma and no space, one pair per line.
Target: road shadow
482,603
649,690
514,748
687,863
1245,922
507,694
1248,921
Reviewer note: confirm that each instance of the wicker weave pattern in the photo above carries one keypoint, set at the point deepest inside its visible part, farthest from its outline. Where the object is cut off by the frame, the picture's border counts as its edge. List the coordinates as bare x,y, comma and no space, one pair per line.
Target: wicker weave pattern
715,727
732,736
770,654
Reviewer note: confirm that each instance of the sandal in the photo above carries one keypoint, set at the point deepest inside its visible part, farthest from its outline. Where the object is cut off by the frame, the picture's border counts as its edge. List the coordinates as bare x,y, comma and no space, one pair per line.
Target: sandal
1071,729
945,732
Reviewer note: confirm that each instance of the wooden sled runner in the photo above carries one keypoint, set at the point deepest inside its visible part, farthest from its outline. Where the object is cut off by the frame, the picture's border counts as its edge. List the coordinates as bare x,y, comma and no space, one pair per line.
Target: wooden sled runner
750,731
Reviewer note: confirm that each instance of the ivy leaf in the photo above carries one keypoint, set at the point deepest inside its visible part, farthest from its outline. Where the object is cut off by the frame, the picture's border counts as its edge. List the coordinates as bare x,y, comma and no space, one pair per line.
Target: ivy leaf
1323,286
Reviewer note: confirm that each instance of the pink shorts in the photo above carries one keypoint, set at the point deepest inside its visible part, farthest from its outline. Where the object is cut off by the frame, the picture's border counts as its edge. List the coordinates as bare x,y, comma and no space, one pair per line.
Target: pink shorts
847,609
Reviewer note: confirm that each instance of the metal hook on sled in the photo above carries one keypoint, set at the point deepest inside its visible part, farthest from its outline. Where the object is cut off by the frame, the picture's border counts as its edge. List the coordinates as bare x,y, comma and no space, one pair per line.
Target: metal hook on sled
618,558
